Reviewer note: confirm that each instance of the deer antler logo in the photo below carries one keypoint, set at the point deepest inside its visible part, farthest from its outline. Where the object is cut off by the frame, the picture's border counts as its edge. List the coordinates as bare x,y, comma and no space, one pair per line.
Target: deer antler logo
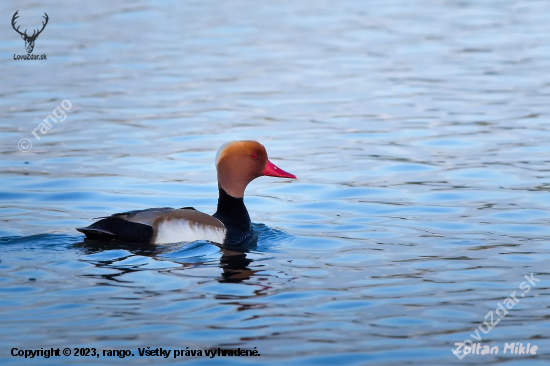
29,40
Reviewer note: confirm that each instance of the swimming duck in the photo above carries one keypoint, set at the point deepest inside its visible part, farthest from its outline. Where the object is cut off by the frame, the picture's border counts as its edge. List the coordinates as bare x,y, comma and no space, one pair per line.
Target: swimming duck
237,164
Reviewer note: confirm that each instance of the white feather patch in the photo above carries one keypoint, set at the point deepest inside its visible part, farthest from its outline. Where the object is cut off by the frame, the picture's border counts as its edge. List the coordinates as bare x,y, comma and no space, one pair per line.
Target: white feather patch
176,230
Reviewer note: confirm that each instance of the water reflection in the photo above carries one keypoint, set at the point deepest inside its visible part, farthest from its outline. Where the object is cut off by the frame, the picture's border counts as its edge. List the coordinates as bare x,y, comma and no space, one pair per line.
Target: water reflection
235,266
234,262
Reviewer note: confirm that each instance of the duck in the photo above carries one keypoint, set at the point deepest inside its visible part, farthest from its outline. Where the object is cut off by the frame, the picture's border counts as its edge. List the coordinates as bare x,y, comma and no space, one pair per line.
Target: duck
237,164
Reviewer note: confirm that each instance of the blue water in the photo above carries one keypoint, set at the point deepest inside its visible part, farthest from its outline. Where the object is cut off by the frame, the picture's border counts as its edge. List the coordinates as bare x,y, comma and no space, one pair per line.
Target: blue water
419,132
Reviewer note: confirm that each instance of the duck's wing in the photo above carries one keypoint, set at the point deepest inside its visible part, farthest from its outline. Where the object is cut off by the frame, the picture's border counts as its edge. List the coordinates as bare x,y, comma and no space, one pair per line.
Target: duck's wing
158,226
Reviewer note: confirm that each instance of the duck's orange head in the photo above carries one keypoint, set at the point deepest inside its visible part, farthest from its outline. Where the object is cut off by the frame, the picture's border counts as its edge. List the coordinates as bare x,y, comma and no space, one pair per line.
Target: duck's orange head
240,162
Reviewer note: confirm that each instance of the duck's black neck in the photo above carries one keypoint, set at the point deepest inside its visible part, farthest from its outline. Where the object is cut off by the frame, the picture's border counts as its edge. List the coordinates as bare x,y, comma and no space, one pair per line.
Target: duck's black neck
232,212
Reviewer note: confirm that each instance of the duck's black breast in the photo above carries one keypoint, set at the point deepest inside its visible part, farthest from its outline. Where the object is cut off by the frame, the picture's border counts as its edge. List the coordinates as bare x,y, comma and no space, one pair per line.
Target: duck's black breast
233,214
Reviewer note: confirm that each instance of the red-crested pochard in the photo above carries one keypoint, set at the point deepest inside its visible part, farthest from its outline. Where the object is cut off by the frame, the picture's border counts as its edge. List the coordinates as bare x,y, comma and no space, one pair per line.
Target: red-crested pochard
237,163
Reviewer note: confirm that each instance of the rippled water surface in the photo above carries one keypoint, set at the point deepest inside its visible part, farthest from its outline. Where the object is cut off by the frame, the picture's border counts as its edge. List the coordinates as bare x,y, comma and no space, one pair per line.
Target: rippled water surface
419,132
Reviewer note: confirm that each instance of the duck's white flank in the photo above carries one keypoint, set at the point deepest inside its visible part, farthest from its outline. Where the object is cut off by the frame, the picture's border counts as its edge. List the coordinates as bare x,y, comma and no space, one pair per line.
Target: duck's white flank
176,230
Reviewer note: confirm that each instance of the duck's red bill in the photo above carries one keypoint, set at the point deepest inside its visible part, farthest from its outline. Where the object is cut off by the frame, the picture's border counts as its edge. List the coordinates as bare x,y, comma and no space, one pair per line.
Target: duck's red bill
273,171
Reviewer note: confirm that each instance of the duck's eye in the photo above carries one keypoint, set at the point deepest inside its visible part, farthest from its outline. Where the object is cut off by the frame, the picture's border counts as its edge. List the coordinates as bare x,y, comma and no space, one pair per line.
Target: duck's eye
254,156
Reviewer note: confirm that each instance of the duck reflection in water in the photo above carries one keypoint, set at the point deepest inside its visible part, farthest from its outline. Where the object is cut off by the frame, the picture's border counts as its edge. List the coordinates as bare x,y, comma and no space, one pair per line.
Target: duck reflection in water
233,261
235,266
